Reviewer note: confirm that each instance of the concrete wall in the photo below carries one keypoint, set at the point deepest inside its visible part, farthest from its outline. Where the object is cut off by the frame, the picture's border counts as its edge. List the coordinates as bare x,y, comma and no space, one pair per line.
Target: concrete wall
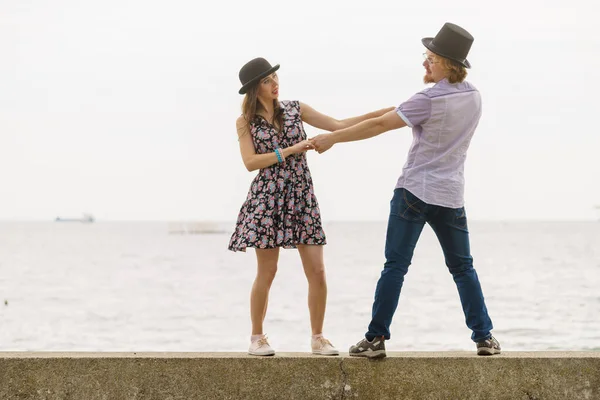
187,376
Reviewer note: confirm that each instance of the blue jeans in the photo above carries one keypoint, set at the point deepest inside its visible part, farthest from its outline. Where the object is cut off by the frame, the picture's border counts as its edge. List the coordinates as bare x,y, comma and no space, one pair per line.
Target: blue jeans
408,216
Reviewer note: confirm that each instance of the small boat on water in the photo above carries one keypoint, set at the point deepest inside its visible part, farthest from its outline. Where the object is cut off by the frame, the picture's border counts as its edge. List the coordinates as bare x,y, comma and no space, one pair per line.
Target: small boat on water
86,218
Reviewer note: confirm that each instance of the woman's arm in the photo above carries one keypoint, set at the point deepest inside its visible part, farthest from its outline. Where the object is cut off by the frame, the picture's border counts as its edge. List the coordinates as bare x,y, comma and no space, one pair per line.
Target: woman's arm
325,122
254,161
364,130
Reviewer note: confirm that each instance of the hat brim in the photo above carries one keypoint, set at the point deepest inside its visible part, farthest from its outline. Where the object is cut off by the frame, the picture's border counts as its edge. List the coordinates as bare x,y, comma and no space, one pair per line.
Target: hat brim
428,42
257,78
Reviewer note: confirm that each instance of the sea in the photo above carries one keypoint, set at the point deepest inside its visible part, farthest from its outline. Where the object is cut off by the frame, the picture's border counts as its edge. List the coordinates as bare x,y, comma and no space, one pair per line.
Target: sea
142,287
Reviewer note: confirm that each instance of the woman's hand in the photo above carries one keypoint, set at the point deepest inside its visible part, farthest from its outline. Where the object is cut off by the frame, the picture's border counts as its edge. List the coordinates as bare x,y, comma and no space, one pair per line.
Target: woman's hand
302,146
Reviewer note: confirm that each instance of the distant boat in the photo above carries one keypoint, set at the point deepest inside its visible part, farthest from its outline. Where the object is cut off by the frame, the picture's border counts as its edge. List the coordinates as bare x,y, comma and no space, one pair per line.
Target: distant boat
86,218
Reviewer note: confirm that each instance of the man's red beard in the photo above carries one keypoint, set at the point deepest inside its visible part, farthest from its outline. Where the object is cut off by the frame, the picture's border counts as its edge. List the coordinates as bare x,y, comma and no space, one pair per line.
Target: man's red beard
428,79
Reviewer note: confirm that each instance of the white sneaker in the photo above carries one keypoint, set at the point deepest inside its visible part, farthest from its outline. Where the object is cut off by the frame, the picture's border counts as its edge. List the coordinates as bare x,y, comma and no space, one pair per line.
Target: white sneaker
261,347
323,347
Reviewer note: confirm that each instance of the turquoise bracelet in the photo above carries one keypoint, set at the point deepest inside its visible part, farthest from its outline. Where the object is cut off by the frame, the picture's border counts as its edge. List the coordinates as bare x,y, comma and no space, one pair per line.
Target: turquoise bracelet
278,154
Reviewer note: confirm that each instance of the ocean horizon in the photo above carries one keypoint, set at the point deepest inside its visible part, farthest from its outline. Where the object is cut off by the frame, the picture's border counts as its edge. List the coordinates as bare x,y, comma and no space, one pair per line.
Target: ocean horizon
144,286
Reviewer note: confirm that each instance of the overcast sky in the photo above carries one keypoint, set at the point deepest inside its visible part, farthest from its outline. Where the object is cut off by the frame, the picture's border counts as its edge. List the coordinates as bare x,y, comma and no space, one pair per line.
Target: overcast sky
126,108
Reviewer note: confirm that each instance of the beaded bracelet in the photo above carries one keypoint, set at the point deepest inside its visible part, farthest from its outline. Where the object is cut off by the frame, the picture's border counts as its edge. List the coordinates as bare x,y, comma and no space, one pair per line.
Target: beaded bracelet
279,156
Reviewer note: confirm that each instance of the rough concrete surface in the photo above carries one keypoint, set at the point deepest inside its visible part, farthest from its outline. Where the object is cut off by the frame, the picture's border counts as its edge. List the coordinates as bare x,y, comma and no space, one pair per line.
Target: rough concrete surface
187,376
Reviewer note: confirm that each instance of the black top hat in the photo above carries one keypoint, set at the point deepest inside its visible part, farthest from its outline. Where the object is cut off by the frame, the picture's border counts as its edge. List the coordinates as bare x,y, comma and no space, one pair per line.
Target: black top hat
452,42
253,71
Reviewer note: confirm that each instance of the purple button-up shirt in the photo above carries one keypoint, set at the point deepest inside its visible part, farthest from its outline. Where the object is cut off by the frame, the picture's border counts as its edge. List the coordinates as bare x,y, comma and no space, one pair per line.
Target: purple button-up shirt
443,119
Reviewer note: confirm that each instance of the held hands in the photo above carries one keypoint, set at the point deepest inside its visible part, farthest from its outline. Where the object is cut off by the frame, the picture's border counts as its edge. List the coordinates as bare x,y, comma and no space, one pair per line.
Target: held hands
322,142
302,146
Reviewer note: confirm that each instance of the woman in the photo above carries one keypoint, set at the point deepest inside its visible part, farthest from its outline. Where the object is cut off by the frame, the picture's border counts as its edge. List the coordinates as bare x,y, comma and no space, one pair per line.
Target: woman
281,209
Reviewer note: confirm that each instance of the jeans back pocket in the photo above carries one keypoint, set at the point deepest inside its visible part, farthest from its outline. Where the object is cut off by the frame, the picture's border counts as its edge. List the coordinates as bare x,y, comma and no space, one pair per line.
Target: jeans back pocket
406,205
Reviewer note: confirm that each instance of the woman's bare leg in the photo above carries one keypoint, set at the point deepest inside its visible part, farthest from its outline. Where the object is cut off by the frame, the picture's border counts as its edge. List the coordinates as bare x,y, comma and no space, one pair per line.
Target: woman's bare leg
259,296
314,269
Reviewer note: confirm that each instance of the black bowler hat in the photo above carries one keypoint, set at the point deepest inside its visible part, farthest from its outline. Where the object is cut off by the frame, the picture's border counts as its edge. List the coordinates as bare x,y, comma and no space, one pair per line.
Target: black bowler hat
253,71
452,42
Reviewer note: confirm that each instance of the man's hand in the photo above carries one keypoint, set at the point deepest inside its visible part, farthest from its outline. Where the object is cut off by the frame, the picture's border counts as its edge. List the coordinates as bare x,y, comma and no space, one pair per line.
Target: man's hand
322,142
302,146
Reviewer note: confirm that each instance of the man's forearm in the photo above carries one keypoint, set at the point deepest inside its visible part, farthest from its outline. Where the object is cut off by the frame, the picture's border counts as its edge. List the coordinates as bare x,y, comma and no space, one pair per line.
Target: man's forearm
348,122
363,130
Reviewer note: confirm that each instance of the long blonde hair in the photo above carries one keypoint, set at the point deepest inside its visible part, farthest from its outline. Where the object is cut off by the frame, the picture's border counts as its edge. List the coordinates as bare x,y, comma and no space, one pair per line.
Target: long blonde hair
251,105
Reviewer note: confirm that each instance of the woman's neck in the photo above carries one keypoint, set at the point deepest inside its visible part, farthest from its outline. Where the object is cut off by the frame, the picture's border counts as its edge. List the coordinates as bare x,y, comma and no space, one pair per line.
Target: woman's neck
267,109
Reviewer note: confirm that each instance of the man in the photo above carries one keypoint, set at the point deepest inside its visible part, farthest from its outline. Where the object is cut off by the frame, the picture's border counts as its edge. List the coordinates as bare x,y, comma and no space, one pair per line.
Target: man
430,189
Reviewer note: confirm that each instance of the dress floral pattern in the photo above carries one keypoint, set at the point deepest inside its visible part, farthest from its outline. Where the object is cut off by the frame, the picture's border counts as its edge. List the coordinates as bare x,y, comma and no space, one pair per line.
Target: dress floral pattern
281,209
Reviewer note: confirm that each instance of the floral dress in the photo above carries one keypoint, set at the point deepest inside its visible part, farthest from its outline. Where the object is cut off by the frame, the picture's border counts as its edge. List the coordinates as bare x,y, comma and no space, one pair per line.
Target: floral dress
281,209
